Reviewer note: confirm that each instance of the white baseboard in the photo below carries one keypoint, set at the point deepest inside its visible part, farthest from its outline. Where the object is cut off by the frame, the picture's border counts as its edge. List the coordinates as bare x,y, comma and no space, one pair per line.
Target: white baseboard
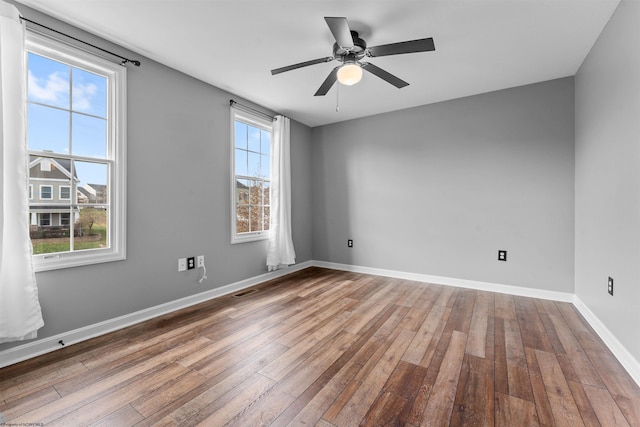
448,281
619,351
46,345
49,344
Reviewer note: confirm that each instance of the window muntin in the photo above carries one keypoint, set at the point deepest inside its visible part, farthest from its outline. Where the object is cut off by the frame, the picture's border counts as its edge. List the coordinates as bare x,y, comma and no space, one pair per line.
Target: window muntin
76,142
251,168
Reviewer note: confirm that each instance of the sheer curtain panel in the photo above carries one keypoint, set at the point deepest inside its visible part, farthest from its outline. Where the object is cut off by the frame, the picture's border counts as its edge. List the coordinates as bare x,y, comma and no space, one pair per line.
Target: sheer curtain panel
20,315
281,250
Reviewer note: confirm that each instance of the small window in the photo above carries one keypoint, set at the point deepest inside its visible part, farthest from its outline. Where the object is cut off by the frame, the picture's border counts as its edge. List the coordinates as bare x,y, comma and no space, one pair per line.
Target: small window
76,143
46,192
65,219
45,219
30,191
65,192
250,180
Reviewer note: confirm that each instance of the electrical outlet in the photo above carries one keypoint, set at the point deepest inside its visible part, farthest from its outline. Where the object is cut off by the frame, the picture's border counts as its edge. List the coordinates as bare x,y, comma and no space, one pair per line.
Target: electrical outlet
200,260
191,263
350,243
610,286
182,264
502,255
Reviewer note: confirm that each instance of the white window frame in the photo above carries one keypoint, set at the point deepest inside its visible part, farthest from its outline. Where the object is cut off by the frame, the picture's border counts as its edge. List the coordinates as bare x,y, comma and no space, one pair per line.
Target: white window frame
60,192
262,123
50,187
30,191
116,151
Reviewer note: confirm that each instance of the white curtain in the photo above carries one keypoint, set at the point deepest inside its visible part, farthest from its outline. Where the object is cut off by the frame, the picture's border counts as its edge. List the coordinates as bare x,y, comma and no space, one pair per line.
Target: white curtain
20,315
281,250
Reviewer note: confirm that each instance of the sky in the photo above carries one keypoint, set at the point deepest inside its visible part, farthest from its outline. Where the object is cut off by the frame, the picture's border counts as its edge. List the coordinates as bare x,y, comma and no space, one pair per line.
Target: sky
252,154
67,114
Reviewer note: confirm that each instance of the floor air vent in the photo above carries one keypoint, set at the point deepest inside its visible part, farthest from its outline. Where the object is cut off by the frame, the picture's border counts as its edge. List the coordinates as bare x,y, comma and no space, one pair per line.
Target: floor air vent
244,293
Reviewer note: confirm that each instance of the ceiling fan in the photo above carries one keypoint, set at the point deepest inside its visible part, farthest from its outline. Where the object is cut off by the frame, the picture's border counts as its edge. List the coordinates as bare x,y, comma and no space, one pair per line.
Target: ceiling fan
350,49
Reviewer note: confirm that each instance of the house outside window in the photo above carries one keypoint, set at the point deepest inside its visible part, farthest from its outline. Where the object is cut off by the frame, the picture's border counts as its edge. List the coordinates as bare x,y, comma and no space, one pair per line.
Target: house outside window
250,179
76,144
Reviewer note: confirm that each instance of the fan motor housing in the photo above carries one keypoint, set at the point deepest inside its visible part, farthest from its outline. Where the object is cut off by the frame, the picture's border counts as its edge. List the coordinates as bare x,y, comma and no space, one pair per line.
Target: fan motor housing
356,52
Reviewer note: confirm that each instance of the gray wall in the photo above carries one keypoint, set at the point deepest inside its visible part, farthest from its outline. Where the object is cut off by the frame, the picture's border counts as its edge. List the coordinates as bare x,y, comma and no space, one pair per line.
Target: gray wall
608,176
439,189
177,205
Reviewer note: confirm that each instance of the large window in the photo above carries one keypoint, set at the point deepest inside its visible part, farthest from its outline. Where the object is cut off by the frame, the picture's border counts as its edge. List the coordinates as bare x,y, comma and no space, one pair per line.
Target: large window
250,178
76,143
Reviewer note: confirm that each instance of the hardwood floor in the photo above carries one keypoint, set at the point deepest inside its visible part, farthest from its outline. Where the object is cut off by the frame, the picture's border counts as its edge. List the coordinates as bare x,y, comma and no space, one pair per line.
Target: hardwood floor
330,348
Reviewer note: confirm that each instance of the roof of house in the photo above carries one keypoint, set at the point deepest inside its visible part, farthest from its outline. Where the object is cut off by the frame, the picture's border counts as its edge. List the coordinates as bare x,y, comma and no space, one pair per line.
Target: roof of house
58,164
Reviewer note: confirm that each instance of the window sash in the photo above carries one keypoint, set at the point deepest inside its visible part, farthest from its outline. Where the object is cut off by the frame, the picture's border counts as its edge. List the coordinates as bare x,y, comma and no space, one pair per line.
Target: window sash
115,157
254,233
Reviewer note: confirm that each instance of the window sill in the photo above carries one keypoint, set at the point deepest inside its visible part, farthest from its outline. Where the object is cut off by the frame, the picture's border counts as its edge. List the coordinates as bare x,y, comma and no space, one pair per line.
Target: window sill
66,260
249,237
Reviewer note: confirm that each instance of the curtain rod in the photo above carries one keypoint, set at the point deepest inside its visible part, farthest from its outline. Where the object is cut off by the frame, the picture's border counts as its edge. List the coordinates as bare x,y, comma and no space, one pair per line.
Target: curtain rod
124,60
251,110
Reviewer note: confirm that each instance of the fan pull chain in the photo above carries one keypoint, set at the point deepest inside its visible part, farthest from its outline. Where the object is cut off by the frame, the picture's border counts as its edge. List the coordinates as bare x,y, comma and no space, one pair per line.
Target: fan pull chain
338,97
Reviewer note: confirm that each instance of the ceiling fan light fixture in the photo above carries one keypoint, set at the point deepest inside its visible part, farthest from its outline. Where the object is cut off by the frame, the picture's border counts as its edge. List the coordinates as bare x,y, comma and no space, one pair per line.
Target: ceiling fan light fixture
349,74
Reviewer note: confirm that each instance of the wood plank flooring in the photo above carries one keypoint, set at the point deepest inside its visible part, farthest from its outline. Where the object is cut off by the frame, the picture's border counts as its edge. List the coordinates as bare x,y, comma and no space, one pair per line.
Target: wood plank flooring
330,348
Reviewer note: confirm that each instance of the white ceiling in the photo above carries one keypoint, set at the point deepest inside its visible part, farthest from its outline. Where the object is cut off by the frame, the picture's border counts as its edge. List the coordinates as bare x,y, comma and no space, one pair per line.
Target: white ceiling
481,45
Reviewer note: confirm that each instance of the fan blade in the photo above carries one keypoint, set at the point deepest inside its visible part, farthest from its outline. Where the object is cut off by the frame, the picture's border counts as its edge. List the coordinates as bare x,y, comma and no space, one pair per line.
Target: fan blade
384,75
328,83
340,29
302,64
412,46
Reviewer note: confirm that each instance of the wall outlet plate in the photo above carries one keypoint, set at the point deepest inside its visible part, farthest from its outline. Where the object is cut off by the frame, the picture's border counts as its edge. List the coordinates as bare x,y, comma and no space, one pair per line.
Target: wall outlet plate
191,263
200,260
182,264
350,243
610,286
502,255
